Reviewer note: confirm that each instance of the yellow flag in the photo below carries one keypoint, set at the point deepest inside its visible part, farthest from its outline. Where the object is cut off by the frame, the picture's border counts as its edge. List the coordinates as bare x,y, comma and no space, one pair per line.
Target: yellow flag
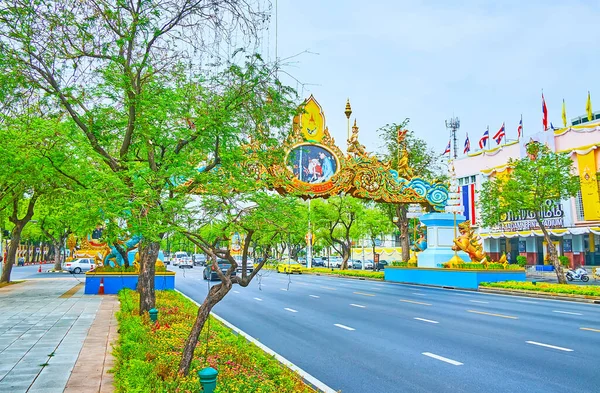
564,114
588,108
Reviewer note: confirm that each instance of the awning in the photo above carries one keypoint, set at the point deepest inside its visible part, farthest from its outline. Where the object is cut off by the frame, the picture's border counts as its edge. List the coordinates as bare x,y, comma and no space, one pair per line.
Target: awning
538,232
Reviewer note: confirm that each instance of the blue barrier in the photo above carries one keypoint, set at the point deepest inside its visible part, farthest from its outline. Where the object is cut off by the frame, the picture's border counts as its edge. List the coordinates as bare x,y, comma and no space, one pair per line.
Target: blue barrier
114,282
466,279
544,268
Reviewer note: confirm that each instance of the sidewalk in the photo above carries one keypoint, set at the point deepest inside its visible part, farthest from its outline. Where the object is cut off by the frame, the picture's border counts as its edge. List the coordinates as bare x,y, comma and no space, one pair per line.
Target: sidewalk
53,339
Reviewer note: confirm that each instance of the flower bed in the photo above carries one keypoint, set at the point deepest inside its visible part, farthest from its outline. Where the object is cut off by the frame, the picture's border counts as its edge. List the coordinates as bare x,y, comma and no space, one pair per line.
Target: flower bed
584,290
147,355
351,273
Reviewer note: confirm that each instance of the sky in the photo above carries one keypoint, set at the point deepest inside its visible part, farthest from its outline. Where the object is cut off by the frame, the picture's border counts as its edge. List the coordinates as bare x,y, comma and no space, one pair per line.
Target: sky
485,62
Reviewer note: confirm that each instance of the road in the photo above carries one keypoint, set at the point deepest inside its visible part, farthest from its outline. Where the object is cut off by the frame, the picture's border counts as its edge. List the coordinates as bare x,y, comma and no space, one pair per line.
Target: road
364,336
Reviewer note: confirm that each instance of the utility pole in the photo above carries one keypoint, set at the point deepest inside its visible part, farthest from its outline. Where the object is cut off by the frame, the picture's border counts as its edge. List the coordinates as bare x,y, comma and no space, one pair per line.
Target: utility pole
453,124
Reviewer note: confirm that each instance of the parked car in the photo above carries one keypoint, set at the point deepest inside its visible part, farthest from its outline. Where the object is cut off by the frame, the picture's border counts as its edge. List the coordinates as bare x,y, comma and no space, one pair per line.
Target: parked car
335,262
20,261
210,273
356,264
178,257
318,262
369,264
289,266
199,259
186,262
79,265
382,264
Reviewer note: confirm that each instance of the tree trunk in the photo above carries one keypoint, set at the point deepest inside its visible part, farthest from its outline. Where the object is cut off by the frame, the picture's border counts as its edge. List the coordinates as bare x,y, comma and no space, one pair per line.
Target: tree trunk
402,225
57,256
560,273
214,296
12,252
27,252
345,255
123,253
148,254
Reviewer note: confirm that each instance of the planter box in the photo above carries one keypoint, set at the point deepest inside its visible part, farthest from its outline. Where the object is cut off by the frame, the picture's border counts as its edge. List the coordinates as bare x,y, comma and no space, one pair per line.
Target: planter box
114,282
456,278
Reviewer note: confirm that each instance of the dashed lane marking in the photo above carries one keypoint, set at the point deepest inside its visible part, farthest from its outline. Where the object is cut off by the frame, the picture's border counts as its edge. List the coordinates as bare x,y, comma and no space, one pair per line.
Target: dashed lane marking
479,301
549,346
527,301
283,289
590,329
357,305
331,289
443,359
413,302
419,294
290,309
343,326
315,296
425,320
257,298
236,291
566,312
364,294
492,314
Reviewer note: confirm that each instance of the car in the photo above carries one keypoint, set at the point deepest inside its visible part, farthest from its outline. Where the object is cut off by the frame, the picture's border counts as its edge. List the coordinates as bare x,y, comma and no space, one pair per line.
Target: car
318,262
178,257
79,265
186,262
356,264
382,264
335,262
209,273
199,259
369,264
21,261
249,265
289,266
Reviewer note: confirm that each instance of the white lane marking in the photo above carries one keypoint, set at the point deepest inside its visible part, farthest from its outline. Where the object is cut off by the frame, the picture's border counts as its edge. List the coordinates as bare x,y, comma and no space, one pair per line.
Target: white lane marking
257,298
315,296
283,289
290,309
462,294
566,312
425,320
479,301
443,359
236,291
527,301
343,326
420,294
549,346
376,289
343,285
357,305
379,285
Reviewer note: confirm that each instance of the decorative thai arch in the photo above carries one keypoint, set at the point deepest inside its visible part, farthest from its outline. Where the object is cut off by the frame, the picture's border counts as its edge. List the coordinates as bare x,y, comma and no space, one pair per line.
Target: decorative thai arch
356,173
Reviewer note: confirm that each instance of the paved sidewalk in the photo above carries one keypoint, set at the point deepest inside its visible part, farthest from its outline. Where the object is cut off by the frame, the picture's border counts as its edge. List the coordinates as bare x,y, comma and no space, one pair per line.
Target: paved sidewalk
45,324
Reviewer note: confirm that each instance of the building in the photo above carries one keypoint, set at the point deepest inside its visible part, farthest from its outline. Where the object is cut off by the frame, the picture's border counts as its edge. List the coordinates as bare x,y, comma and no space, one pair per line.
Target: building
574,224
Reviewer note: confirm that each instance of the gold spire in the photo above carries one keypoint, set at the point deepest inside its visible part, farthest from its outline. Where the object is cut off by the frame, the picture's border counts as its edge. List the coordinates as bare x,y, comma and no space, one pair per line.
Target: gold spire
348,110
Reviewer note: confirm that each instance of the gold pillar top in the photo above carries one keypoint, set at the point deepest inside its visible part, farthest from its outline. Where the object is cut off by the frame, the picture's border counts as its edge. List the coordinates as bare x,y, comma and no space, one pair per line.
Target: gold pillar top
348,110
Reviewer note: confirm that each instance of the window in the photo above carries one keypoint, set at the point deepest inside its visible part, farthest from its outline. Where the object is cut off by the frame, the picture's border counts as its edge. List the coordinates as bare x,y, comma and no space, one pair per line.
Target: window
473,179
460,181
579,206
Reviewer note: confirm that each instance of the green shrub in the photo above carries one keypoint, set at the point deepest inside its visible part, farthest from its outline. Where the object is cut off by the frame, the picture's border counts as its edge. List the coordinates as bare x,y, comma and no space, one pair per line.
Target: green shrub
587,290
521,260
564,261
123,269
351,273
147,355
404,264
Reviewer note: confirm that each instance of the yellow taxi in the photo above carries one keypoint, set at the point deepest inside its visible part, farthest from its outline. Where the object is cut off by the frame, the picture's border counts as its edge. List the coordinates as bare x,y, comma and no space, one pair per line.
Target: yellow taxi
289,266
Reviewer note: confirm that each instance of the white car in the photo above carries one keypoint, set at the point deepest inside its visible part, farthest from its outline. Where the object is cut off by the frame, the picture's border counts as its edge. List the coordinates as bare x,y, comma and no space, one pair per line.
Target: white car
79,265
179,257
186,262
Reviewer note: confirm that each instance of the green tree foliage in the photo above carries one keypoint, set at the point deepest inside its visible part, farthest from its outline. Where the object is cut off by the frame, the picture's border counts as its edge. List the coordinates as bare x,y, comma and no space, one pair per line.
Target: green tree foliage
424,161
542,177
374,223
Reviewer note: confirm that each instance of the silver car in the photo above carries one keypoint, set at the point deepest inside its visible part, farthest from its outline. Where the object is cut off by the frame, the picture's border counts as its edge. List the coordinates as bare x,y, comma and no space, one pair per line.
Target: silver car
79,265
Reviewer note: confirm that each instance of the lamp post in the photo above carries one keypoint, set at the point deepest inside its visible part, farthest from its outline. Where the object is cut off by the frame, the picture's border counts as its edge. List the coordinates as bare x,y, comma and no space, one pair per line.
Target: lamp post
454,206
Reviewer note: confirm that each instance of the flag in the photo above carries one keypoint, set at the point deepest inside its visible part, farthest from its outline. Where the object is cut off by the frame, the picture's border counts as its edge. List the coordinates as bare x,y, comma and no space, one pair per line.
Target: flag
500,134
545,113
467,200
520,129
588,108
467,145
484,138
564,114
552,126
447,151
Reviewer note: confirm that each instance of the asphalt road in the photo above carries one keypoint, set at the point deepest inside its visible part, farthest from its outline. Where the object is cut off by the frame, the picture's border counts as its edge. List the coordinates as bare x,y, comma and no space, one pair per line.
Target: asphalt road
365,336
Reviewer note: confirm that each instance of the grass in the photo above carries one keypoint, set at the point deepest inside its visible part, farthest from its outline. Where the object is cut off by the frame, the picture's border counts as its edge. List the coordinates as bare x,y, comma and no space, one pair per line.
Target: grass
148,355
564,289
5,284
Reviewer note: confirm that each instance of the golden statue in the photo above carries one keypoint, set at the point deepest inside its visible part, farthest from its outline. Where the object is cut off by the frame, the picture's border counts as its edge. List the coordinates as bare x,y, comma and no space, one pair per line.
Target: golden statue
469,242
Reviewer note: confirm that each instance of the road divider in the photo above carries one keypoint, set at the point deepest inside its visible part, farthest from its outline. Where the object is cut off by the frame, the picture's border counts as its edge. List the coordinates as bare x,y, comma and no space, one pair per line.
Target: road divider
413,302
492,314
443,359
549,346
343,326
425,320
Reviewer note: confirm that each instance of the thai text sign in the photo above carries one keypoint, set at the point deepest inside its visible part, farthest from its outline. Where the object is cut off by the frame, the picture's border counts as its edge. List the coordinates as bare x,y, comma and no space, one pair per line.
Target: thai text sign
551,216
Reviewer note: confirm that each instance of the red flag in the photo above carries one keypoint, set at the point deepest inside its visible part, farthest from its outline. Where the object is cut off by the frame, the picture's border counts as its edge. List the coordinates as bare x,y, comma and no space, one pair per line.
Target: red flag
545,112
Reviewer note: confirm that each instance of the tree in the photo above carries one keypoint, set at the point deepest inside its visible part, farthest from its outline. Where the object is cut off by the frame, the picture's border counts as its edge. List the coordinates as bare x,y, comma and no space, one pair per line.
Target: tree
541,178
144,82
374,223
424,162
337,218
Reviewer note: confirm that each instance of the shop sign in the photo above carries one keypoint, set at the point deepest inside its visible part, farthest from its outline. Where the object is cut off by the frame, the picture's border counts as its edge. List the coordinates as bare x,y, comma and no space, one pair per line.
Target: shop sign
551,214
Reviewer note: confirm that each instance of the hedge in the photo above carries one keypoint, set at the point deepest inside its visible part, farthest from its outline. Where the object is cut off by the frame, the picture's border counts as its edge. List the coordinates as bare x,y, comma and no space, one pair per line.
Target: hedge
585,290
147,355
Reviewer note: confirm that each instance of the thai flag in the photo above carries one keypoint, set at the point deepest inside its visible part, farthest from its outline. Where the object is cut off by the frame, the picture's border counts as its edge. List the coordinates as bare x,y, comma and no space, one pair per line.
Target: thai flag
447,151
484,138
467,145
500,134
544,113
520,129
467,200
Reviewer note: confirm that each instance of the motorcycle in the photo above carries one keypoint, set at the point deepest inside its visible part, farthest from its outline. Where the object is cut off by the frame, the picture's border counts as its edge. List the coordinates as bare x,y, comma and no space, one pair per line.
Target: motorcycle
579,274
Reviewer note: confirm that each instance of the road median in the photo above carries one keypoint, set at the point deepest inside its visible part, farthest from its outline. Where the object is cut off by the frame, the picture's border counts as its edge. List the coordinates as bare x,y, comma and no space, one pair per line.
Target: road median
542,295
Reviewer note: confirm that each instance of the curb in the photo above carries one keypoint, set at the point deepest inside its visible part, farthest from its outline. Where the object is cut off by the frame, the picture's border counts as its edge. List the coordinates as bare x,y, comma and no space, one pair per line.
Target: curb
541,295
311,381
